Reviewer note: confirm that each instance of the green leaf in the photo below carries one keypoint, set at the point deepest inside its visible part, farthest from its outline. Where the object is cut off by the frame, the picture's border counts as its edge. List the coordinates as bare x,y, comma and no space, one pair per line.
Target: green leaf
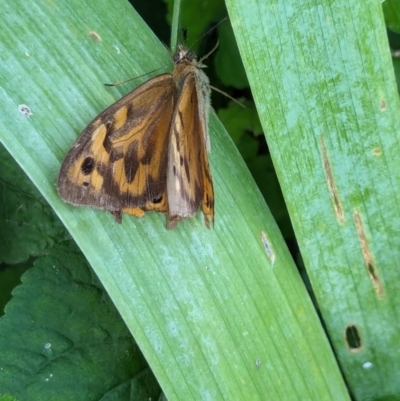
227,56
10,276
62,338
238,120
28,226
197,17
322,78
218,314
391,9
396,66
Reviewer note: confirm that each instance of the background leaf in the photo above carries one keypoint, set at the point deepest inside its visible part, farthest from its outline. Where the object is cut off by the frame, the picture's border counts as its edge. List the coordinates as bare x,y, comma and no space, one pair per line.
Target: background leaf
28,226
227,56
322,78
391,10
60,319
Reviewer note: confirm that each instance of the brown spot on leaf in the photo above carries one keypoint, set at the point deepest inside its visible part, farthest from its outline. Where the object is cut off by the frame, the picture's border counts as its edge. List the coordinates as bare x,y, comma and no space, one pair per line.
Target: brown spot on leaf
94,36
268,247
367,256
377,152
337,204
353,337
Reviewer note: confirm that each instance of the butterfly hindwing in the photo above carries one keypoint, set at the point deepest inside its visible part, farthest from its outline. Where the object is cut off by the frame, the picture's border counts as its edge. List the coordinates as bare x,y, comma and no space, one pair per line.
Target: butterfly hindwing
189,182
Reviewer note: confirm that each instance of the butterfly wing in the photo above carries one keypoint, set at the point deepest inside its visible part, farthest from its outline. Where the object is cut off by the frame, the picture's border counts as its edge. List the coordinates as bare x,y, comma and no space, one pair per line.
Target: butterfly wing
189,182
119,162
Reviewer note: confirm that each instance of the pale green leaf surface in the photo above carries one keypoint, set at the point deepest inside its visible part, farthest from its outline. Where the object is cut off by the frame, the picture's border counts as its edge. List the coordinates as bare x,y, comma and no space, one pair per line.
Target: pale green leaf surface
322,78
203,305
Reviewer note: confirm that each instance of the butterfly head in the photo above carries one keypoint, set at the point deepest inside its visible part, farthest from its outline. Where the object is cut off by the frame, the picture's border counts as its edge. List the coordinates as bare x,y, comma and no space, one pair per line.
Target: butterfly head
184,56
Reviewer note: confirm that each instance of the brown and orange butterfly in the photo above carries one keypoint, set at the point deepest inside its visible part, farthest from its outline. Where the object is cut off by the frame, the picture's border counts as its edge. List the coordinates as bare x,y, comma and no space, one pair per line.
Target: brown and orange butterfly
148,151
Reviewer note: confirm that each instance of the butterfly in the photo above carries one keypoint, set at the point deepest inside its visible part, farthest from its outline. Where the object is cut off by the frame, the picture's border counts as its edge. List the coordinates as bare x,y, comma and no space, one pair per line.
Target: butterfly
148,151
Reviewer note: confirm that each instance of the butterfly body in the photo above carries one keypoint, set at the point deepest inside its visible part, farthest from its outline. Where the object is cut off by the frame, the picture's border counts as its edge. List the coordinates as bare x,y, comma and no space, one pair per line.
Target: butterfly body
148,151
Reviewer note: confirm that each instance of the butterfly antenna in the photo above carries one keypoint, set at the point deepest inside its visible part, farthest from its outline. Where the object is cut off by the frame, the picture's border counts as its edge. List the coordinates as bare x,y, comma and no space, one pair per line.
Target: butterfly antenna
215,26
132,79
227,95
210,52
208,32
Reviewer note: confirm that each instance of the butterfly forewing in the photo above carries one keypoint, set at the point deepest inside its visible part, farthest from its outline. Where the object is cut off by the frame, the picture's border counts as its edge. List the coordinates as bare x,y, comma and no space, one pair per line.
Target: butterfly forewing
119,162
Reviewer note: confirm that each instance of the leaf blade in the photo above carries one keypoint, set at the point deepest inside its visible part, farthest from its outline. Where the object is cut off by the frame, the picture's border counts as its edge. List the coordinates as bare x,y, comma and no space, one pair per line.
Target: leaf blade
329,110
199,303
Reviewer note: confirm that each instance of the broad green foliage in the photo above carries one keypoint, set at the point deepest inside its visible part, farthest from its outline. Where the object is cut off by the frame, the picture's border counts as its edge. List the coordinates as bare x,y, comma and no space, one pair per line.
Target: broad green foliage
62,337
28,226
219,314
